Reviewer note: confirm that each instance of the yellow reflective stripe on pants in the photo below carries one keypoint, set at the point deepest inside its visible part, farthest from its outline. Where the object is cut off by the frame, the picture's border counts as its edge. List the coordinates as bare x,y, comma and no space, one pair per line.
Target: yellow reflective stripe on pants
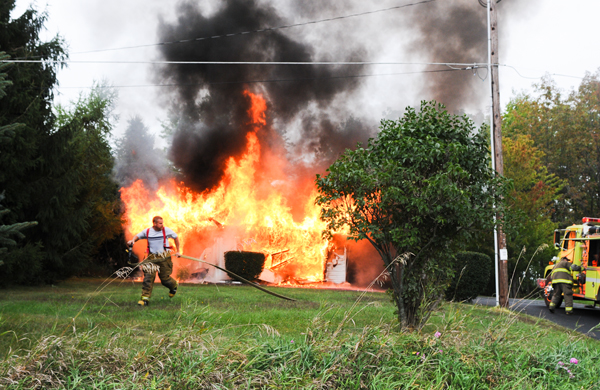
568,309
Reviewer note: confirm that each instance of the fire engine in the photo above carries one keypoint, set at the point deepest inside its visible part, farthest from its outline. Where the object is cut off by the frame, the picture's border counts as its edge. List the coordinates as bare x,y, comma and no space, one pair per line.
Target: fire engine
580,243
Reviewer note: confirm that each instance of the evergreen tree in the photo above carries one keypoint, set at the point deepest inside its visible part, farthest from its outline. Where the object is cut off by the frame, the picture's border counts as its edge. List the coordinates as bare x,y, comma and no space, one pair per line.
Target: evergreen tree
56,167
26,120
137,158
84,199
7,232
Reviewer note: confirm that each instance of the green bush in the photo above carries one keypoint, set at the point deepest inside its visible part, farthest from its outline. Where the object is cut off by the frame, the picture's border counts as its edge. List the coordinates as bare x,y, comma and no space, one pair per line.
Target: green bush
471,273
248,265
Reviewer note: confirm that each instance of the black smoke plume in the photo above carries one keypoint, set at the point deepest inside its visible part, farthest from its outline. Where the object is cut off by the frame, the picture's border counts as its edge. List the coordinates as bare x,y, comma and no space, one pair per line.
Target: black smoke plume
457,32
452,32
213,125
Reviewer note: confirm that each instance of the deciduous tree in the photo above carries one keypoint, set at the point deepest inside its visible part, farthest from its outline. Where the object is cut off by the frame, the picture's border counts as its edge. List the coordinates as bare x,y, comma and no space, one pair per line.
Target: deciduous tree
423,182
566,128
530,206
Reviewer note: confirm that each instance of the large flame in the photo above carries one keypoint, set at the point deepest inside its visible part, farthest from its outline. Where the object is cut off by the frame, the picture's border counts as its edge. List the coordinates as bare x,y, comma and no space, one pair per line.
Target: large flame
261,220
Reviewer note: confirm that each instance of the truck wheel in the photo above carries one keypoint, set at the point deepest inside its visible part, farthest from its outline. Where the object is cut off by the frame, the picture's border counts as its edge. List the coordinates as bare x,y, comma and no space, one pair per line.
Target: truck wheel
547,294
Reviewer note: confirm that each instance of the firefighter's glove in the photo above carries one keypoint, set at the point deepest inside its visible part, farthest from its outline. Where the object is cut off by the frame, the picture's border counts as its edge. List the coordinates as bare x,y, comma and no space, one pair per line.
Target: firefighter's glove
132,258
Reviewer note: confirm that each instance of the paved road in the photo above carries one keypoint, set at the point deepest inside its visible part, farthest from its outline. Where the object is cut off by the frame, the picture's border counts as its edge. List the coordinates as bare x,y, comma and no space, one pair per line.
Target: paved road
585,320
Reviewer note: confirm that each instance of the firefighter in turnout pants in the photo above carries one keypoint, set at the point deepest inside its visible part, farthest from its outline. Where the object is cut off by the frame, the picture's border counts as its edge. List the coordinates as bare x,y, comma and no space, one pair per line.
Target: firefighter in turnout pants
562,282
159,252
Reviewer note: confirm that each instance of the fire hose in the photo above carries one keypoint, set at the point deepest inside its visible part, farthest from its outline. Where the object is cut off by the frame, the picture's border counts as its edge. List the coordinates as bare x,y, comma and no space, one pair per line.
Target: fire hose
158,259
239,277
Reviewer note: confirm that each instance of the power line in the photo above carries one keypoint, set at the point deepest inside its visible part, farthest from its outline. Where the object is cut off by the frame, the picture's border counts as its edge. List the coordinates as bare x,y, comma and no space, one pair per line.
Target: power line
258,31
449,64
461,65
271,80
537,78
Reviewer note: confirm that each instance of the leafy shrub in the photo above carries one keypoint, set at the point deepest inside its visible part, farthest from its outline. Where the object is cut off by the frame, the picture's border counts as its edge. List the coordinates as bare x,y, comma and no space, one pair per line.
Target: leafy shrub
248,265
471,273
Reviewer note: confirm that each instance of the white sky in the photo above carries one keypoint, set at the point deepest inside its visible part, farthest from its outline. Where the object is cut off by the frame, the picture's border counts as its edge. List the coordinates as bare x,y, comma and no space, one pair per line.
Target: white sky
553,36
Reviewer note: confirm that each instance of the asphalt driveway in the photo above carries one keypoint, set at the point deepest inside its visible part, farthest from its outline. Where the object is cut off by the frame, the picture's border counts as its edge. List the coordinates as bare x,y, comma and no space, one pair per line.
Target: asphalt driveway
584,319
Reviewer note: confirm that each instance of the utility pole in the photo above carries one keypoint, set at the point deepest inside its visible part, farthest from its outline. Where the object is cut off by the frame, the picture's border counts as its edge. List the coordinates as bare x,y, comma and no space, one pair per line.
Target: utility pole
501,253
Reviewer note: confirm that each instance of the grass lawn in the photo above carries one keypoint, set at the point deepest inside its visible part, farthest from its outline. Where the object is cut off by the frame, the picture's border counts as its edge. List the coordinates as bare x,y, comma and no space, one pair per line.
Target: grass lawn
86,334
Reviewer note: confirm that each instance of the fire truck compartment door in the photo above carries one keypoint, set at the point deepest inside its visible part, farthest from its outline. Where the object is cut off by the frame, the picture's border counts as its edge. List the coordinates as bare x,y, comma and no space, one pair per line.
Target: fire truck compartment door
592,281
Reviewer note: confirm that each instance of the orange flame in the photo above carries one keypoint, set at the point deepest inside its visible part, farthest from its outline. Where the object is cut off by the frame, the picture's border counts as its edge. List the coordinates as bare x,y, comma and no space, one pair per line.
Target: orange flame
261,220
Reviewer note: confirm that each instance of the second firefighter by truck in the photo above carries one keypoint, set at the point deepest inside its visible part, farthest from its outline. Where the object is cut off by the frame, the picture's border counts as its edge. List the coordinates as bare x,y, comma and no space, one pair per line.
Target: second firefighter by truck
562,283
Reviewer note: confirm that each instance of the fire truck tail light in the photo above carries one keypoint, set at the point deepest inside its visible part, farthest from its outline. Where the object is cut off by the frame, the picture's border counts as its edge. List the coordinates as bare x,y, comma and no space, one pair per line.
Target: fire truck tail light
541,283
588,219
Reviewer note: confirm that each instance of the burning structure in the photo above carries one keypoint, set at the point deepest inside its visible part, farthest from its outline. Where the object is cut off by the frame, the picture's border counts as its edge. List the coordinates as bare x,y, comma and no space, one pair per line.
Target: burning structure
237,165
245,211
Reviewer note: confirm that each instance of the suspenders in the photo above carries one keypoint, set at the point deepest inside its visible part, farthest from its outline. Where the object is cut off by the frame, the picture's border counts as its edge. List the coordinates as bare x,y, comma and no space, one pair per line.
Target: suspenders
164,240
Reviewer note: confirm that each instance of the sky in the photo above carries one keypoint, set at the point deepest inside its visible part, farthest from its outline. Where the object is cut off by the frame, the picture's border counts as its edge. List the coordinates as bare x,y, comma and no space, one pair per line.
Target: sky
537,37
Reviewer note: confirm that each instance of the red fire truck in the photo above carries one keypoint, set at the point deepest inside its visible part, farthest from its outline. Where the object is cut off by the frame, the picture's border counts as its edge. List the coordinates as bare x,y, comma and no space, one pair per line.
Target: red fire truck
580,243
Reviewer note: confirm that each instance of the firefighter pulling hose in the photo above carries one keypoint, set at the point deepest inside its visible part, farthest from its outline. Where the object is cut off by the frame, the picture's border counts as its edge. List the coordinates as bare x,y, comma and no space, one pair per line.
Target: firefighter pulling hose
158,252
155,260
159,260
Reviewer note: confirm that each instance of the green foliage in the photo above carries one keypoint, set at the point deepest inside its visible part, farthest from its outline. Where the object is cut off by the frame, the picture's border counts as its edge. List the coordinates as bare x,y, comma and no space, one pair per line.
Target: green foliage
6,131
29,102
85,199
471,274
423,182
566,130
531,204
552,154
248,265
56,166
26,121
23,265
8,233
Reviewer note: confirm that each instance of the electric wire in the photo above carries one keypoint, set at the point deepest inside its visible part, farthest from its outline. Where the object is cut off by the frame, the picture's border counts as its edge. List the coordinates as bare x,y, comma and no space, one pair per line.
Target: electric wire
537,78
449,64
259,30
270,80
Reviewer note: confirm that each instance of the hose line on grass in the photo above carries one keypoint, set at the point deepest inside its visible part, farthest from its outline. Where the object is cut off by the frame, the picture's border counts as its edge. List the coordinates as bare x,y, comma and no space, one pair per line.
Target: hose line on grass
227,271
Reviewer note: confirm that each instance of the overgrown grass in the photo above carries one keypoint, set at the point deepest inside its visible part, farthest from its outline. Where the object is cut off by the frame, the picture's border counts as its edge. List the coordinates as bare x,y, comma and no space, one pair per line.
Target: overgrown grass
237,337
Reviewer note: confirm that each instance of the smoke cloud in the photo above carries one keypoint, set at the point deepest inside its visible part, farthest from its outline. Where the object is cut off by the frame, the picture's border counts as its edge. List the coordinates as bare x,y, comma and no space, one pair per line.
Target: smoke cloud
453,32
136,158
213,124
456,32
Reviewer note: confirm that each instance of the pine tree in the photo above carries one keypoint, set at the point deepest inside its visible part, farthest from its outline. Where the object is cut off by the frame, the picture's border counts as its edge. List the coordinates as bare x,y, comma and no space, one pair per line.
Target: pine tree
56,166
7,232
137,158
